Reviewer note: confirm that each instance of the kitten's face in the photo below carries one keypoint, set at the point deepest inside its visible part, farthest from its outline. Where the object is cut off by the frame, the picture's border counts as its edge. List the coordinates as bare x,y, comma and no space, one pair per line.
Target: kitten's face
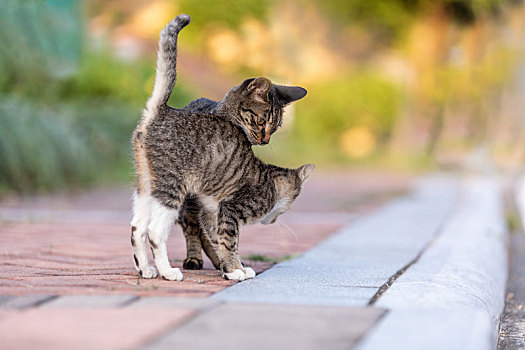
258,105
288,188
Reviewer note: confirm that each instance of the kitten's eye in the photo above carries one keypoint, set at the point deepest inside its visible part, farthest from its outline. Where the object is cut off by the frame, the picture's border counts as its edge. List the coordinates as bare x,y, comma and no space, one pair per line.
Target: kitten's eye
260,121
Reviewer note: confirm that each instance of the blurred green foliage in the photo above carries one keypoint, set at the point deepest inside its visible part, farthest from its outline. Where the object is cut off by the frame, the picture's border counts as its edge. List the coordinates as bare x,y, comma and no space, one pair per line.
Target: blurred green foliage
228,13
39,40
101,75
391,18
453,84
386,18
67,111
46,147
205,14
65,119
366,98
354,99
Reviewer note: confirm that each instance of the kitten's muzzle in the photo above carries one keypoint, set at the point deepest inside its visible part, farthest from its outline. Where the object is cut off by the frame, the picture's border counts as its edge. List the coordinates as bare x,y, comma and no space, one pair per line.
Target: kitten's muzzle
264,139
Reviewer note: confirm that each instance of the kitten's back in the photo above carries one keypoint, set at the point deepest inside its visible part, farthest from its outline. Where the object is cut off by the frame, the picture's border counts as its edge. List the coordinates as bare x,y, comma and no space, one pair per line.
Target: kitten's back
201,151
193,131
201,105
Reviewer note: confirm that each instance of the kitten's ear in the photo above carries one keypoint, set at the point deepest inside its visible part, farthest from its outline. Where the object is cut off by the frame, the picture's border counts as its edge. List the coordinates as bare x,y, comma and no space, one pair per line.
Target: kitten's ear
245,84
289,94
305,171
260,86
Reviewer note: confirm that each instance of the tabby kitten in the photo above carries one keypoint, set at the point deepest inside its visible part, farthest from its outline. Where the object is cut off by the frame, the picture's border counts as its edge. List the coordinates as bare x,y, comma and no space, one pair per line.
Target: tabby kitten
256,106
179,153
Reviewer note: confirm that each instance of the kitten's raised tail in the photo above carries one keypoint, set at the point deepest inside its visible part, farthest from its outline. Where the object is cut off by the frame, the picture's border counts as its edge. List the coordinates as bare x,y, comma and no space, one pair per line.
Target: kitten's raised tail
166,65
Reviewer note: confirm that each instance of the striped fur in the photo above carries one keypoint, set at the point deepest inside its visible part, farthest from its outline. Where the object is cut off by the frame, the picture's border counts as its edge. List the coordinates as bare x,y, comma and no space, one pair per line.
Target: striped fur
256,106
203,164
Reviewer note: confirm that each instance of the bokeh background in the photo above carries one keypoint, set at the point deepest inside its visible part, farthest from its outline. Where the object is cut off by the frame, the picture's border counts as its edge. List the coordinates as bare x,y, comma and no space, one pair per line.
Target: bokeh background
410,85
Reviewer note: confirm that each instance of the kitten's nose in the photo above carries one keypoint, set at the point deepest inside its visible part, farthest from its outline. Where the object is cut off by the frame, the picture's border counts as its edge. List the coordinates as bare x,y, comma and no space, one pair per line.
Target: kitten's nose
265,139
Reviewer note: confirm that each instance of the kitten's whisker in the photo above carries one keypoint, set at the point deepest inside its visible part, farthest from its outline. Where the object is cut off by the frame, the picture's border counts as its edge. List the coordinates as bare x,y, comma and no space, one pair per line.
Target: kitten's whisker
282,235
288,227
275,231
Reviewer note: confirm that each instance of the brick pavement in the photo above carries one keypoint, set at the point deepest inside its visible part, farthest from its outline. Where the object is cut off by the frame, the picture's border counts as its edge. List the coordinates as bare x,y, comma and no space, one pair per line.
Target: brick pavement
79,245
114,328
72,245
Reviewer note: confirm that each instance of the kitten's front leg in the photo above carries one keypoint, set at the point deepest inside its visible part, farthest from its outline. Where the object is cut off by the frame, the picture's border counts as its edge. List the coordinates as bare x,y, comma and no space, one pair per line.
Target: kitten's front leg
231,266
189,221
248,271
229,263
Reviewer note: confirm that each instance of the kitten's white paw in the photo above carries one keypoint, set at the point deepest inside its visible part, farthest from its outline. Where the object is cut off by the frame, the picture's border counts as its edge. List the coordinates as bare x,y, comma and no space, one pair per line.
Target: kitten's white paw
236,275
172,274
149,272
249,273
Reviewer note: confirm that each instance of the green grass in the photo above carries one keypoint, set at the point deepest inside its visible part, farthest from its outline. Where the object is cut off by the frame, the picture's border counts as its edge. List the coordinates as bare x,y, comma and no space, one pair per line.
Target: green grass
264,258
513,221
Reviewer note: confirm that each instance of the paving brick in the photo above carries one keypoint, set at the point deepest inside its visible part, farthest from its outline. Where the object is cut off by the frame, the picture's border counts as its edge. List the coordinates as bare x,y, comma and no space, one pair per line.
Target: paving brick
5,313
260,326
5,298
169,302
27,301
90,301
86,328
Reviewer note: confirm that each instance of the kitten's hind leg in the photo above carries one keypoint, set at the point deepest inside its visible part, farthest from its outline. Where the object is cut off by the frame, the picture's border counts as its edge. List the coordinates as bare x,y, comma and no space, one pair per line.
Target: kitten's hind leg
193,259
139,231
162,220
189,221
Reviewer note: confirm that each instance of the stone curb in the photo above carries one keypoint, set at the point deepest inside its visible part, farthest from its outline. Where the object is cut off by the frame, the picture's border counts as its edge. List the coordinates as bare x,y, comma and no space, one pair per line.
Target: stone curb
453,296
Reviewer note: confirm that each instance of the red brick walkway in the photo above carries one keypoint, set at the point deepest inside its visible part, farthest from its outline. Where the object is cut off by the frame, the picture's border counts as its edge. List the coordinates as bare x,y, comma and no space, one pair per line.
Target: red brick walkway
79,244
